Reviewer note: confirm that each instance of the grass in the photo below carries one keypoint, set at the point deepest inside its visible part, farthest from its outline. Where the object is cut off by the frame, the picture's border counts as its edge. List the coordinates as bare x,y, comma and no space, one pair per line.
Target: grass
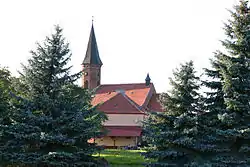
124,158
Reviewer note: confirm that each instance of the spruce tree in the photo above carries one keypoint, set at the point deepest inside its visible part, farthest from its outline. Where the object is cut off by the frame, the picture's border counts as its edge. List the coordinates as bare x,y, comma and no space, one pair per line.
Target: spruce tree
235,76
20,136
47,70
213,100
173,134
213,105
4,88
16,131
65,136
56,114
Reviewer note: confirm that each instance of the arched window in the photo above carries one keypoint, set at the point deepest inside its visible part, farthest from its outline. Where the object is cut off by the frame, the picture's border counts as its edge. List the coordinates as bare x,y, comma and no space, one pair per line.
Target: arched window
86,84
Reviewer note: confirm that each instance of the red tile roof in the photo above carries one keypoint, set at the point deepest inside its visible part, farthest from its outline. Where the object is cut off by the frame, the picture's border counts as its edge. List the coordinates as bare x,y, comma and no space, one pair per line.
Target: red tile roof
154,104
126,98
112,97
123,131
119,103
136,92
102,97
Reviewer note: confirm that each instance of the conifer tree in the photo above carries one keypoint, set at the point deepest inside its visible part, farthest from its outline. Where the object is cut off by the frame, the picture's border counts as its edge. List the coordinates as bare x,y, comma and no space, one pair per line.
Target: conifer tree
56,114
19,137
234,71
16,133
4,86
173,134
214,97
47,70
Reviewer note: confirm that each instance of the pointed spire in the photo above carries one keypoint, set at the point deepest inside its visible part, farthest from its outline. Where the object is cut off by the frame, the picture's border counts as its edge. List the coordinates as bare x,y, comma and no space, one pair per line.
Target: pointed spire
147,80
92,53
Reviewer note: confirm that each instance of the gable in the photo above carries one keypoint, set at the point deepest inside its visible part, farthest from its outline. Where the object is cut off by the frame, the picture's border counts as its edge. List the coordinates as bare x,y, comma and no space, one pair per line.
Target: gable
136,92
118,104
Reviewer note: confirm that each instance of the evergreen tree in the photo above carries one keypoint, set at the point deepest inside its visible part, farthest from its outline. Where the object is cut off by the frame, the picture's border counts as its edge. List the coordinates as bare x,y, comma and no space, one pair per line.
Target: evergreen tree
213,105
47,70
19,137
56,114
15,134
64,140
214,97
4,88
234,72
173,134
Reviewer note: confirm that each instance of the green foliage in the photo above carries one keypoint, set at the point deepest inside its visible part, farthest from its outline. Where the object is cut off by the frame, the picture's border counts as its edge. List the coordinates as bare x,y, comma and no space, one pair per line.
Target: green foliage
214,97
47,70
4,89
220,135
174,133
228,103
183,98
236,86
19,139
51,124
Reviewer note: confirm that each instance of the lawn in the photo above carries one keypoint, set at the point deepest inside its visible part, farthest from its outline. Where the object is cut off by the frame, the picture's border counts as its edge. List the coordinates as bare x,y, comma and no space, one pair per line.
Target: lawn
123,158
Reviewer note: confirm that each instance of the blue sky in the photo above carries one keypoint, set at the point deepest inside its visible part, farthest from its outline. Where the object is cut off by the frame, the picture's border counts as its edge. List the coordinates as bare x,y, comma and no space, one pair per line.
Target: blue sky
135,37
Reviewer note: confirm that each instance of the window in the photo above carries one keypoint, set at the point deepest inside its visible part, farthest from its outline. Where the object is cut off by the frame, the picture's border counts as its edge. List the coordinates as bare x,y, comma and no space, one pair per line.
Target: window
86,84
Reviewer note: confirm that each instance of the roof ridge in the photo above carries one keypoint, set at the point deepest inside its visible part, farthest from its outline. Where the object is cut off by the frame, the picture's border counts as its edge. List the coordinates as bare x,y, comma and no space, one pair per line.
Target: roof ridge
123,126
125,84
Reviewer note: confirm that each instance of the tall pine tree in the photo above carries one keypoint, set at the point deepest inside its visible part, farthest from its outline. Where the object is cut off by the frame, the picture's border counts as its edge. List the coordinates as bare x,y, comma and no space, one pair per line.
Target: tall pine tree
16,132
4,89
173,133
213,100
47,70
56,114
235,75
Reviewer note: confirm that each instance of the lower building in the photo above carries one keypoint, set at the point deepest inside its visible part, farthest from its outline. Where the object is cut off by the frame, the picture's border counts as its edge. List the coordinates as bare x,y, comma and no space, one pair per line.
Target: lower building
126,106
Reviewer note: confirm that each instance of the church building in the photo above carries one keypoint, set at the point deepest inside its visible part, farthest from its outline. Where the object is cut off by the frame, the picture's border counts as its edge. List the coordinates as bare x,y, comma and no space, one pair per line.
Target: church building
124,104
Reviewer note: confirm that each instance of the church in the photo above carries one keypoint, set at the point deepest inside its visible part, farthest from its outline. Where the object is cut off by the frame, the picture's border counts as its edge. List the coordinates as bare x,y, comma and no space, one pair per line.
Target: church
124,104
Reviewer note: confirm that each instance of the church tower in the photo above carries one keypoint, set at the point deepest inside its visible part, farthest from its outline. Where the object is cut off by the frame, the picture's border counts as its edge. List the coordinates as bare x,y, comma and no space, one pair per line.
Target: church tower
91,65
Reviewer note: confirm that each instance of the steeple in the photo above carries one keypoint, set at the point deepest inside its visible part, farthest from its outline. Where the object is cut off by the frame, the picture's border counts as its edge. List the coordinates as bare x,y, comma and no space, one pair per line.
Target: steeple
91,64
92,53
147,80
